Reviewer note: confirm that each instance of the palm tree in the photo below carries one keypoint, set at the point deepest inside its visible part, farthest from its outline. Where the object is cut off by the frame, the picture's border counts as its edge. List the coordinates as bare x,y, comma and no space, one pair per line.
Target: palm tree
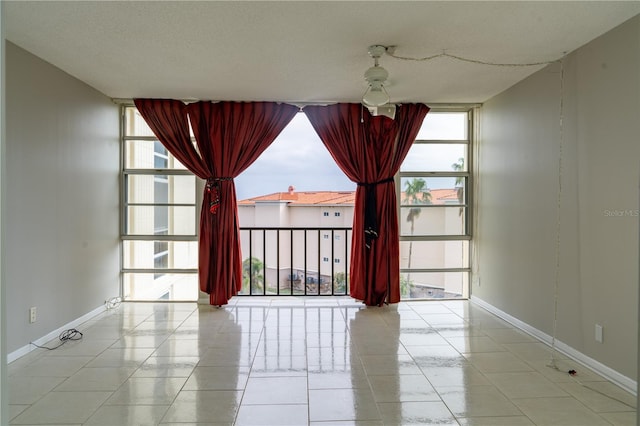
252,275
416,192
405,286
340,283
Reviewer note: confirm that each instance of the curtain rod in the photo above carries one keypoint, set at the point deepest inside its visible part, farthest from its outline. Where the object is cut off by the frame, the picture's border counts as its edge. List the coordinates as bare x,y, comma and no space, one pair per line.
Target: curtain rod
129,101
463,105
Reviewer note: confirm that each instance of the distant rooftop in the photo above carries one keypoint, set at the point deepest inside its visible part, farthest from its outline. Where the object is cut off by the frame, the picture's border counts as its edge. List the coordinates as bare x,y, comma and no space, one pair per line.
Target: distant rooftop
305,198
438,196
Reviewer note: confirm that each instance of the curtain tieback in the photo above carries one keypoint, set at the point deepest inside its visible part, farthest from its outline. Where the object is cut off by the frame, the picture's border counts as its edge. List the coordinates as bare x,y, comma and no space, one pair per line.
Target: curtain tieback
370,217
213,188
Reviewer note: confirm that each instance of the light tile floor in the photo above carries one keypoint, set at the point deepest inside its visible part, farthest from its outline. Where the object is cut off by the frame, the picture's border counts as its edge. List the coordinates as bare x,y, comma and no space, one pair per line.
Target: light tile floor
327,361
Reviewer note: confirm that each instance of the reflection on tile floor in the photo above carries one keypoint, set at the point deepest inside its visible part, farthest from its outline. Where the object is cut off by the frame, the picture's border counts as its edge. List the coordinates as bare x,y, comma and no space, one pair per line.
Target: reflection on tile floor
286,361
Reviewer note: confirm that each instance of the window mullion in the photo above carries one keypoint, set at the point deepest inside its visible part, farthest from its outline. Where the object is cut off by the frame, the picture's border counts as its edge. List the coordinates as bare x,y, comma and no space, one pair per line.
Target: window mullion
433,190
158,237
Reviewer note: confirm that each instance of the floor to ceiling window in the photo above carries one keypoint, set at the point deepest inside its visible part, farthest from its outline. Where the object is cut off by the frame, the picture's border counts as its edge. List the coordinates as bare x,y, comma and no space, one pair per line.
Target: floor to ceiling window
434,212
159,243
160,211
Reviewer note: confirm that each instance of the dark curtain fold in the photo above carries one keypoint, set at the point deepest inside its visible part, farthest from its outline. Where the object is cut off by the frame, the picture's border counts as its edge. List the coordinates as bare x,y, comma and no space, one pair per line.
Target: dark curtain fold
370,150
168,120
230,136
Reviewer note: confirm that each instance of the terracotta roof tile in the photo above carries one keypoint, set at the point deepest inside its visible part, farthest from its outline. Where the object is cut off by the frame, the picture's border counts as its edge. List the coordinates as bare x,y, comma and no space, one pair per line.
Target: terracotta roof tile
438,196
305,198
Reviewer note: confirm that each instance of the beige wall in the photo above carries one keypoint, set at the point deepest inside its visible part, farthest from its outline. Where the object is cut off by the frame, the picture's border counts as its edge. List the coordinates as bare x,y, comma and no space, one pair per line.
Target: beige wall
517,204
61,213
4,397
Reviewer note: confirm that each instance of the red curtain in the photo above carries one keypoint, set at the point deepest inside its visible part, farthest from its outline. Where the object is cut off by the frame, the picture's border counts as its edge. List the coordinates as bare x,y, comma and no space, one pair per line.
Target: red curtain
370,150
230,136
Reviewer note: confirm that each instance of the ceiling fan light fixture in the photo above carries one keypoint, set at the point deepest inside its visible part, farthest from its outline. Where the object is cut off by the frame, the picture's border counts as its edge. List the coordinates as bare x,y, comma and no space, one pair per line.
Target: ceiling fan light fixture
376,73
375,95
376,77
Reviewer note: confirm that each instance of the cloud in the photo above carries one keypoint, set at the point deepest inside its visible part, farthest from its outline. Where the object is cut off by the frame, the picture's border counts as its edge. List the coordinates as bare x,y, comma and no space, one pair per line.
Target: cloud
297,157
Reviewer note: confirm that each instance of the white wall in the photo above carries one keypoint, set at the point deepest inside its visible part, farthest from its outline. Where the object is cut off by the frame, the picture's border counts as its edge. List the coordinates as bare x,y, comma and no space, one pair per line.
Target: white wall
61,211
517,204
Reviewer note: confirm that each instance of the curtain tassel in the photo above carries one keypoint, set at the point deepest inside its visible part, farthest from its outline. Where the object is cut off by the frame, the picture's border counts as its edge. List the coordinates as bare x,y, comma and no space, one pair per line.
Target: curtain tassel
213,188
370,216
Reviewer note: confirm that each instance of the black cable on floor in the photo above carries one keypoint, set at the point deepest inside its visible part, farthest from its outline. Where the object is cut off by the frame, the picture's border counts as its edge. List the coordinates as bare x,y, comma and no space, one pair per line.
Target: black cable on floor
65,336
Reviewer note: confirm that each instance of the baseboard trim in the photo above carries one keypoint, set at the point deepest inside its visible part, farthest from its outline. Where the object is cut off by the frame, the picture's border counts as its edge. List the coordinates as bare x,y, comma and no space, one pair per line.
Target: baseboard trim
610,374
54,334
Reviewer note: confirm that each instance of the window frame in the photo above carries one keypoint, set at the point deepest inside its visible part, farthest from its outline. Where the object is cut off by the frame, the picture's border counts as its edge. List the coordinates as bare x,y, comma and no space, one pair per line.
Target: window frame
156,173
467,175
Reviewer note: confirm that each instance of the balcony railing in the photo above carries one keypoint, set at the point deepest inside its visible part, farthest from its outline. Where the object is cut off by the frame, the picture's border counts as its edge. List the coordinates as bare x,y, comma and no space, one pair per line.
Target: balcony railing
295,261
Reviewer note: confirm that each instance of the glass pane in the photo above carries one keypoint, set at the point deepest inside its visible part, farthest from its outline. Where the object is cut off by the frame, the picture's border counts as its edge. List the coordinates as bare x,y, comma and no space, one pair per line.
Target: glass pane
433,190
444,126
434,254
297,157
439,157
288,261
420,221
149,155
136,126
160,254
433,285
153,189
166,287
160,220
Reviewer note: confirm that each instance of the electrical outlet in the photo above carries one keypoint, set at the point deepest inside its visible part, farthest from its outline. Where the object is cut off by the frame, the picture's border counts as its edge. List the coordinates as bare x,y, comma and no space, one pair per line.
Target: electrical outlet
599,330
32,315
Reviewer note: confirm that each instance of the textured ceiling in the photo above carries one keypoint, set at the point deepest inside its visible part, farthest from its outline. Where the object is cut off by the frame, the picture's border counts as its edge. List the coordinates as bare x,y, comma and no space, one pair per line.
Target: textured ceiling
303,51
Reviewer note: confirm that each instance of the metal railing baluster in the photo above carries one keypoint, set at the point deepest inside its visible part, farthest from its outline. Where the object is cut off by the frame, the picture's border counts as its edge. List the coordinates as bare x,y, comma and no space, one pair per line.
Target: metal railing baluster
293,269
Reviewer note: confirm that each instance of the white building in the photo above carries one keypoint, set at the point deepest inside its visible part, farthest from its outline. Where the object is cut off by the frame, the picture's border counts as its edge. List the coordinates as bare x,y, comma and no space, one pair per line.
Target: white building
318,220
310,246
